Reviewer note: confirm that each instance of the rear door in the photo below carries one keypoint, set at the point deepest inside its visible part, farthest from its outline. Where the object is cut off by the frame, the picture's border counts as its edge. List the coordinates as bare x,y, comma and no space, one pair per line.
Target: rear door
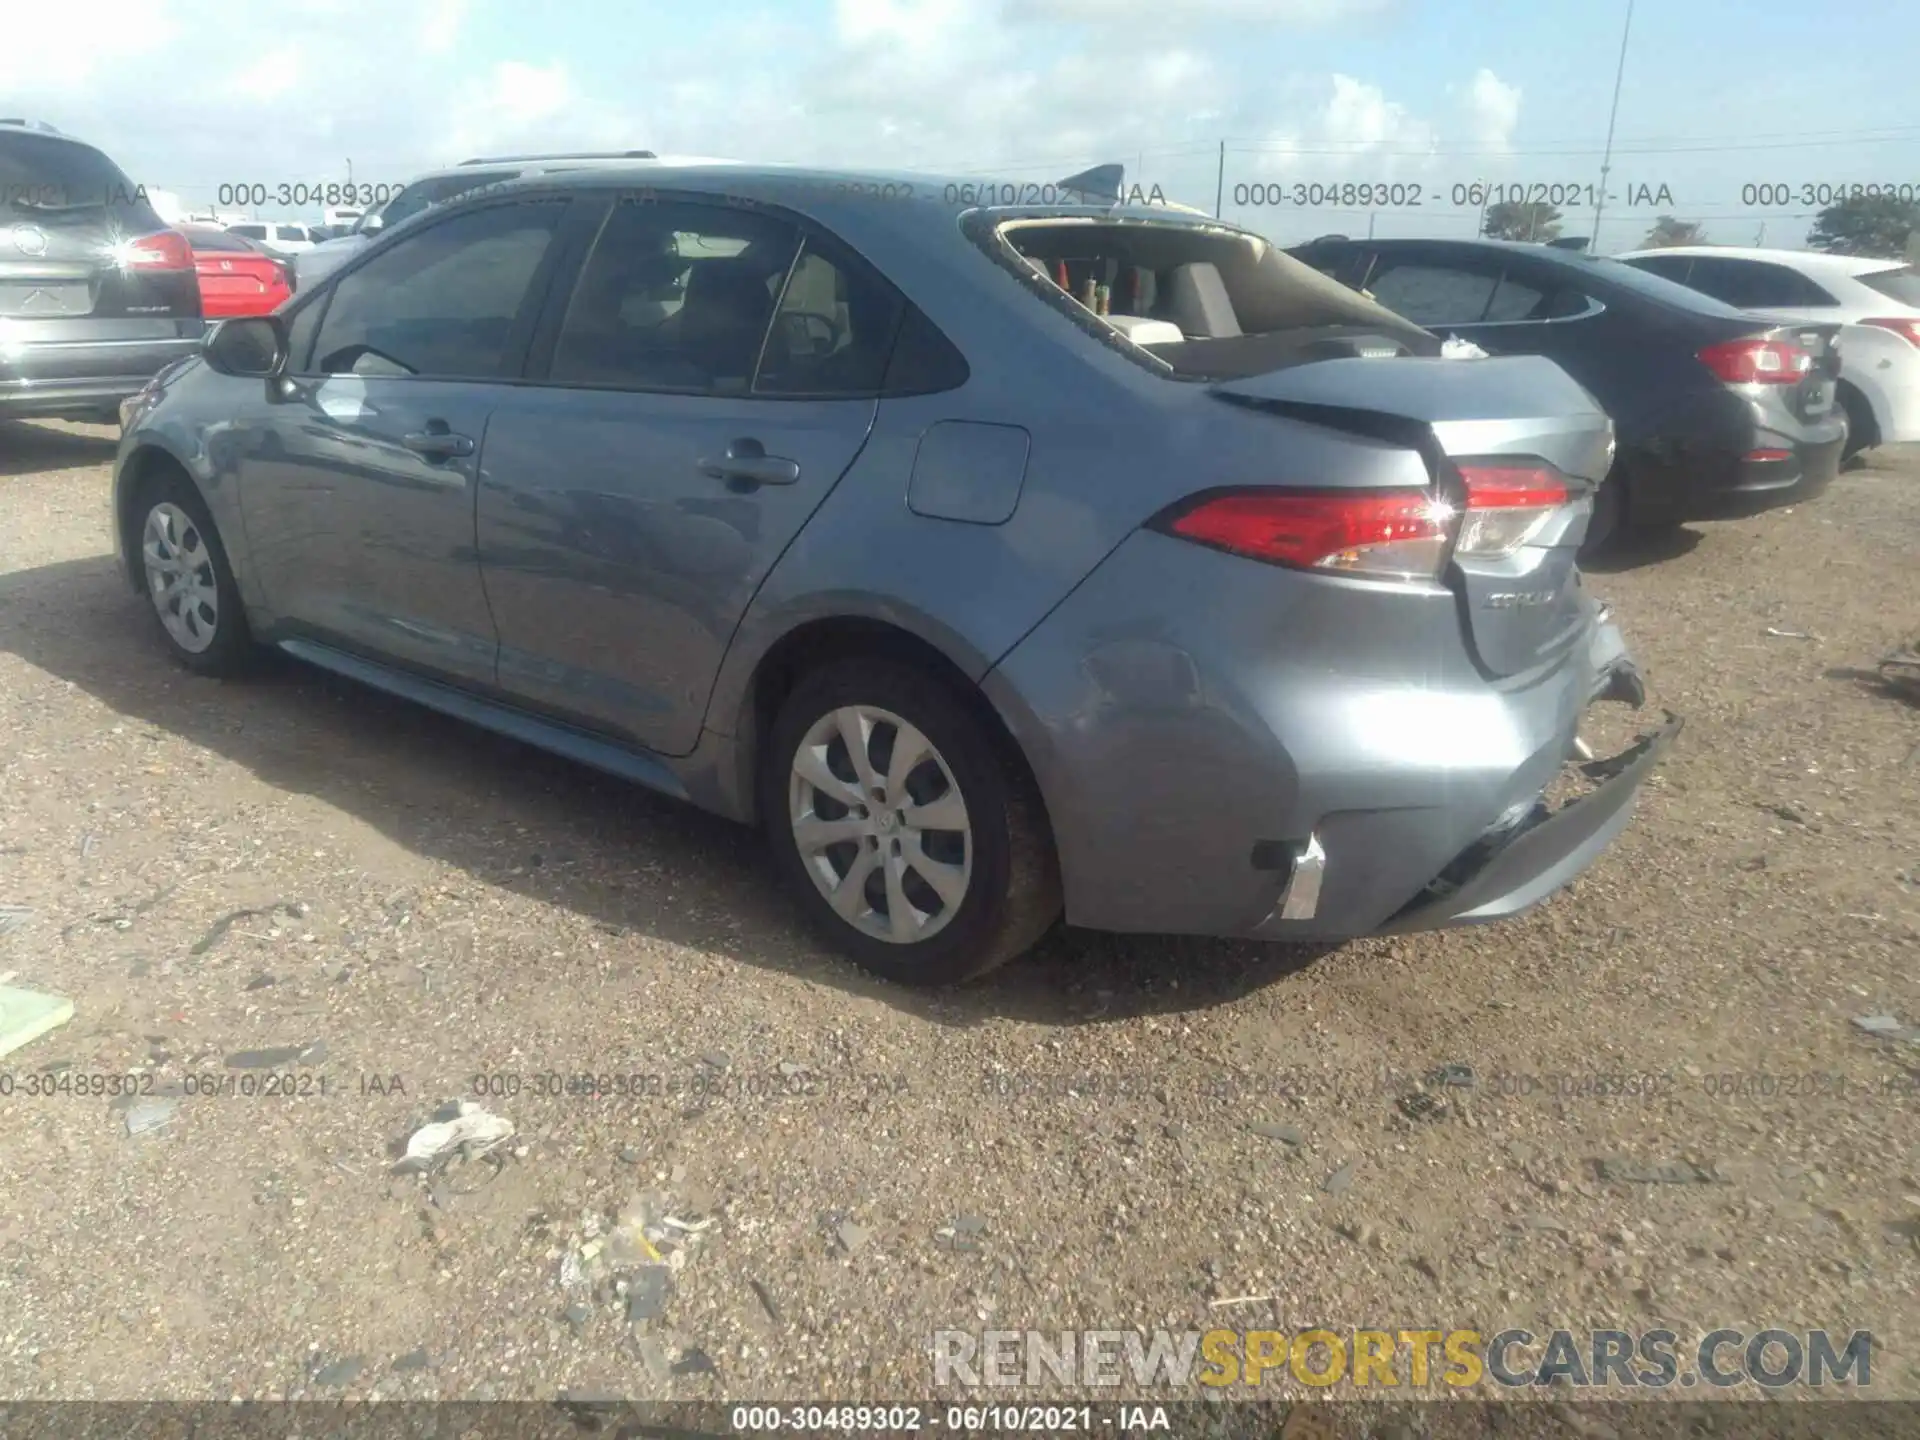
712,375
72,262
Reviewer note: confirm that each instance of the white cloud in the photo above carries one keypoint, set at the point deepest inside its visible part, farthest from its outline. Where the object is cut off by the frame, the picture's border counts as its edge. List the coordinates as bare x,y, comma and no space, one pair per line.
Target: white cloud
1493,108
271,76
440,22
48,49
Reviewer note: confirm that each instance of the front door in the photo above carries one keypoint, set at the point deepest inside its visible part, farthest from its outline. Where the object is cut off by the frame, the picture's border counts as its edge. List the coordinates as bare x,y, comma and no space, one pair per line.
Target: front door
358,479
712,376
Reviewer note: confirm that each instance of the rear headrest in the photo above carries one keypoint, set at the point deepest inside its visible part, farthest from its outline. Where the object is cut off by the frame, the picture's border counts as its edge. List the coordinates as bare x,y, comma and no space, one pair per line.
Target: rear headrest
1197,302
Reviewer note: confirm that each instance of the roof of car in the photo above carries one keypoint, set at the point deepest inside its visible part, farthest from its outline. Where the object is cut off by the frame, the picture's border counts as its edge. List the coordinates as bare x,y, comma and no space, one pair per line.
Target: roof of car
1811,261
947,192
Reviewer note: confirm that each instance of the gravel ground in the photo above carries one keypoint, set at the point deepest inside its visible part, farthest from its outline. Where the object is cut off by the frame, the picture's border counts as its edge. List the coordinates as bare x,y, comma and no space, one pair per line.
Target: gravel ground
1094,1138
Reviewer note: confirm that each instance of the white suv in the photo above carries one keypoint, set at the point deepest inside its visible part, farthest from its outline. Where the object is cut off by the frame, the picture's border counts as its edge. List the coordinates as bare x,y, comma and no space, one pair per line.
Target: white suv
279,238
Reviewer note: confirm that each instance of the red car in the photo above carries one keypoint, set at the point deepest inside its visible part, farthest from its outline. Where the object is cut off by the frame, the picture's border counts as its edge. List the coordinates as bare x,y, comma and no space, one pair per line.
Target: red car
237,277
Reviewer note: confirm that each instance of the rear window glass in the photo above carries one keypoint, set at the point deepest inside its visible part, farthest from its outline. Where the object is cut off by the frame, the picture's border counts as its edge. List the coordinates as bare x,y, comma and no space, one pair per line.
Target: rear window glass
1902,284
1206,299
41,174
216,240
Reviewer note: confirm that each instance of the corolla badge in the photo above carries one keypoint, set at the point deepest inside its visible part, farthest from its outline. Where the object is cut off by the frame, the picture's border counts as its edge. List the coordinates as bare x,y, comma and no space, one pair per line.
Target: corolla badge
29,239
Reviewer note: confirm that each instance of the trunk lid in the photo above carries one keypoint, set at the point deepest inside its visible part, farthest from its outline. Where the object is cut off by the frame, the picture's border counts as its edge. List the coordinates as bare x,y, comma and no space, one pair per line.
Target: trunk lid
1520,610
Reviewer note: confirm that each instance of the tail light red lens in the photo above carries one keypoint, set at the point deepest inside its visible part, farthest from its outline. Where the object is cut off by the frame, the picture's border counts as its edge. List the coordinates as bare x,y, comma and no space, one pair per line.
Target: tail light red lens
1757,362
1400,534
1388,534
162,250
1907,329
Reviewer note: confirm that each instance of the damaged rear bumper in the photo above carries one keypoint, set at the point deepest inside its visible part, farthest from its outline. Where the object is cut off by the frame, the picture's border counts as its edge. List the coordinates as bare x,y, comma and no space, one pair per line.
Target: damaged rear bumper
1545,851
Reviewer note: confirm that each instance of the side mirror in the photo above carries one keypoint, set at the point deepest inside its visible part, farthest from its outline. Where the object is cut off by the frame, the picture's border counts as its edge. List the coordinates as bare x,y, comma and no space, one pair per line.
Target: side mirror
253,347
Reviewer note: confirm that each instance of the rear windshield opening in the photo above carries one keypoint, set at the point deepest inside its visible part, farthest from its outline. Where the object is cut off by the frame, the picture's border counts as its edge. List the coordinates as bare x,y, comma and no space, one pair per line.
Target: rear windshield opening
1206,301
41,174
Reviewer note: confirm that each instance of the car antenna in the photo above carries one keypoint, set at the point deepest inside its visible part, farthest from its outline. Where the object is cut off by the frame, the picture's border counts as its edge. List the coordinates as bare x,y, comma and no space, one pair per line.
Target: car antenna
1102,182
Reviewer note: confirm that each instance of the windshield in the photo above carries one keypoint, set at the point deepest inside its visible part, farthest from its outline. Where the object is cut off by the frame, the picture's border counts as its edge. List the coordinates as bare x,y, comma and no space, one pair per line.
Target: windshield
1901,284
437,190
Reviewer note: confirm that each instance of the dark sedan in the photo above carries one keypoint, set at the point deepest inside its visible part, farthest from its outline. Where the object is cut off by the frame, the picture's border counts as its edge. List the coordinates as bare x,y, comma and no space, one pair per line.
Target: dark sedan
1717,413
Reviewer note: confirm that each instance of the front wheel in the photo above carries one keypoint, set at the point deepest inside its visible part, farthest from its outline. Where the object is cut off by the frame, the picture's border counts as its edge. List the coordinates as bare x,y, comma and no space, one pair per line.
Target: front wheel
184,571
914,842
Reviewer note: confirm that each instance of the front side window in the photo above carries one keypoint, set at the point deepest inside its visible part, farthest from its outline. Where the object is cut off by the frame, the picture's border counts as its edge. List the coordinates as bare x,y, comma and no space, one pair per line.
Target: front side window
675,296
441,302
421,195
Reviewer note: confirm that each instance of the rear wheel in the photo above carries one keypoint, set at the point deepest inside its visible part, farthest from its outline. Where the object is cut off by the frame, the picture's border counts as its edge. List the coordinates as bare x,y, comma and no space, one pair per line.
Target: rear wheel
916,845
188,582
1862,433
1609,515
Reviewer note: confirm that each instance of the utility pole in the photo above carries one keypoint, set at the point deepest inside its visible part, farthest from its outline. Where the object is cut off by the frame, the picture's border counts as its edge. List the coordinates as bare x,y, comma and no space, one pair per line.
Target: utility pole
1760,239
1606,160
1370,217
349,172
1220,181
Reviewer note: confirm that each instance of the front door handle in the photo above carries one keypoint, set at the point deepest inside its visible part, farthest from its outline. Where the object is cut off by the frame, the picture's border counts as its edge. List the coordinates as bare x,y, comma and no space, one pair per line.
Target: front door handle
747,462
438,444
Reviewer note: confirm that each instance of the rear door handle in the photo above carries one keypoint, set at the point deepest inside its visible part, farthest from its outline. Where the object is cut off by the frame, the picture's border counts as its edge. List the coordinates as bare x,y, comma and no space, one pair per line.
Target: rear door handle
747,462
438,444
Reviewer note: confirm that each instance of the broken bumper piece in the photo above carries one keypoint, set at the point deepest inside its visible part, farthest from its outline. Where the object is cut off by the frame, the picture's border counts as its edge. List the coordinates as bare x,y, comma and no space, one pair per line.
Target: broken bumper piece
1505,873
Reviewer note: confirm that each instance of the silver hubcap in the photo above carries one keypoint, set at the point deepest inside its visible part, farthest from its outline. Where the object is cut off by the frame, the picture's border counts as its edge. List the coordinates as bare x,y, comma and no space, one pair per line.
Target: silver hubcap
880,824
180,577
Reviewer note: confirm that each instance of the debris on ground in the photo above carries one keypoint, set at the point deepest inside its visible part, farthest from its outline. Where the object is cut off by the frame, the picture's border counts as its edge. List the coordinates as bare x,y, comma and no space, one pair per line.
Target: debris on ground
340,1373
647,1291
1286,1134
270,1059
767,1301
852,1237
150,1113
1900,671
413,1360
1339,1182
26,1015
1678,1172
1881,1027
12,917
694,1361
962,1236
470,1130
1780,634
293,909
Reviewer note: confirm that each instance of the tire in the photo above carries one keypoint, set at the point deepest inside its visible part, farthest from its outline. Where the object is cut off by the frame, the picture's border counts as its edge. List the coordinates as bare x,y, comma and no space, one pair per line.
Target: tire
202,623
999,877
1862,433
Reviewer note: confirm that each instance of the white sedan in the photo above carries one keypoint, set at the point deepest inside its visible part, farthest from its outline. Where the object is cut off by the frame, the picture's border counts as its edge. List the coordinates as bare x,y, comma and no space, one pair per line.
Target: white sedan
1876,301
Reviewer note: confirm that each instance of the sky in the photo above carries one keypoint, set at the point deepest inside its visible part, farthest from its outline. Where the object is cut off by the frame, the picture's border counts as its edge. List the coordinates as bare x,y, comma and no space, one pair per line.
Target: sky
1745,111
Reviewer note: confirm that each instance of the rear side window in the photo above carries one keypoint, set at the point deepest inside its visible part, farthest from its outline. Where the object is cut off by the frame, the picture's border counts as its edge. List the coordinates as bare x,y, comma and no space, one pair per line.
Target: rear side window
833,332
1754,284
44,176
252,232
441,302
1433,295
924,361
681,297
1902,285
1669,267
219,240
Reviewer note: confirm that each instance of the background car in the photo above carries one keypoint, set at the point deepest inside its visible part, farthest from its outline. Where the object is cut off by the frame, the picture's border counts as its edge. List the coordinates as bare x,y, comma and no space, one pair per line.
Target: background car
276,237
436,187
237,275
1877,303
96,292
1719,413
993,560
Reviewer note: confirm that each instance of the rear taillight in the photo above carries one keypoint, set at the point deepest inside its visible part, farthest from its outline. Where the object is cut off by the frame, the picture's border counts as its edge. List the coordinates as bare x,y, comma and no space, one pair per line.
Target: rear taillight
1907,329
1757,362
1507,504
162,250
1385,534
1400,534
